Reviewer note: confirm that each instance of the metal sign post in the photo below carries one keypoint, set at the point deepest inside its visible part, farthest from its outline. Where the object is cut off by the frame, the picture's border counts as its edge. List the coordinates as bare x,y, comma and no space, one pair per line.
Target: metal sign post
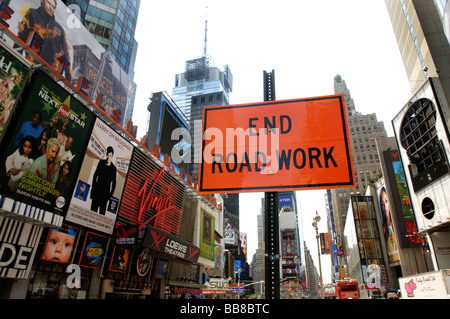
271,227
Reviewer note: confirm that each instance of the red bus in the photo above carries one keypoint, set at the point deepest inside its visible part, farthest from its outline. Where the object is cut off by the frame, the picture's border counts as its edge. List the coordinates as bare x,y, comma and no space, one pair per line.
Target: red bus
348,289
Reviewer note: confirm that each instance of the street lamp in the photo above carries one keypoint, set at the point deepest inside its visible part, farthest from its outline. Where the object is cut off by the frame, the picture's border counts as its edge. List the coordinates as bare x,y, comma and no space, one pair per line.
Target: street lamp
314,224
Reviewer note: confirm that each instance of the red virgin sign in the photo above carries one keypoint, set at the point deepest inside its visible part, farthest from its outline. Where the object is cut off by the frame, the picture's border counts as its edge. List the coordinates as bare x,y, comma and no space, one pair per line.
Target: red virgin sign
151,197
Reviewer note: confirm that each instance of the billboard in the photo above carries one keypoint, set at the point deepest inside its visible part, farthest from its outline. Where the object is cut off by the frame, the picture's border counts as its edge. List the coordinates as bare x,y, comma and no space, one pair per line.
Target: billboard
421,131
169,130
94,250
207,227
151,197
67,46
12,75
325,248
60,243
289,247
44,146
163,242
98,189
275,146
18,246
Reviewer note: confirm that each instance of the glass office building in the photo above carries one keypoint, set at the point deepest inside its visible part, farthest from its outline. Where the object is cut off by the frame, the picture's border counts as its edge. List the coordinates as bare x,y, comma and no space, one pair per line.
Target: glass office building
113,24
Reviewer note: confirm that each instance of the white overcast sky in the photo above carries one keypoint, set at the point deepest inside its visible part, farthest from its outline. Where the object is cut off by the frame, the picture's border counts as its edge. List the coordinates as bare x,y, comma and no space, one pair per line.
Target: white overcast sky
306,42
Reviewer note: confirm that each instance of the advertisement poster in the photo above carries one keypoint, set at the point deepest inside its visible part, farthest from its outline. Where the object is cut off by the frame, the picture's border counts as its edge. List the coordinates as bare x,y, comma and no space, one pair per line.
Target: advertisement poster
12,76
389,234
67,46
405,201
44,146
119,260
207,227
99,186
162,268
59,244
93,250
289,247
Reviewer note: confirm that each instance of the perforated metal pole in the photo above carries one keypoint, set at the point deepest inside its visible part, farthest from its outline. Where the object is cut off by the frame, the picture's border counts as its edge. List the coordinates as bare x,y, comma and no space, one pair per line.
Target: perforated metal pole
271,225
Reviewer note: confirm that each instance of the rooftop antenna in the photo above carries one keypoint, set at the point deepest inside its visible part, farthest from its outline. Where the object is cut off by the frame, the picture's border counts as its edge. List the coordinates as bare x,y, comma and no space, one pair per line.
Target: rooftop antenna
206,31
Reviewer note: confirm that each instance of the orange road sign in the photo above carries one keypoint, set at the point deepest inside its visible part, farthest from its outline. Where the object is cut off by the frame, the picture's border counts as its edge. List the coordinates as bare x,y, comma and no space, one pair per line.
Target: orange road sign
275,146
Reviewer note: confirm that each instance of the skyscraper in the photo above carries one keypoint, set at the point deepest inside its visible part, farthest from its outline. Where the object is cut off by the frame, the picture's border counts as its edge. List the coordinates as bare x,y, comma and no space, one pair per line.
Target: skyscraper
418,27
364,129
202,84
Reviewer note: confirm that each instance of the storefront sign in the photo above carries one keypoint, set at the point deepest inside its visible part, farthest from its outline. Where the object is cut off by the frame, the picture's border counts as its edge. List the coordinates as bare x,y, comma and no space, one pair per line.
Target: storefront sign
160,241
218,284
17,248
15,256
185,290
149,200
126,236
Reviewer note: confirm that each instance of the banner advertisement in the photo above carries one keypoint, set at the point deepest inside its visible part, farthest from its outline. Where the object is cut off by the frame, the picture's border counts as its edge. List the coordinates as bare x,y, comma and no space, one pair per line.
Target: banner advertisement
119,260
18,245
207,226
94,250
401,206
65,44
289,249
59,244
99,186
44,146
12,76
163,242
389,234
162,268
126,235
325,246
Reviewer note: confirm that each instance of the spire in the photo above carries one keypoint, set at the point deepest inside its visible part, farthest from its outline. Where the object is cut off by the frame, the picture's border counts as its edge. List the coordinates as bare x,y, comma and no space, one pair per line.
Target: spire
206,32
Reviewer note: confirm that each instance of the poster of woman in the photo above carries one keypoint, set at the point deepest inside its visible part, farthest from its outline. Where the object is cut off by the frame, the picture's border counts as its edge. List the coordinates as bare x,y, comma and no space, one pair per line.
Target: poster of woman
389,233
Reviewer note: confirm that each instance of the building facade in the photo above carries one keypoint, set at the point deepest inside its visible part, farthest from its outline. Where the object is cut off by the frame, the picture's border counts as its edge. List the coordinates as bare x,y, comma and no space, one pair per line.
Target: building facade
421,125
202,84
113,25
364,129
83,225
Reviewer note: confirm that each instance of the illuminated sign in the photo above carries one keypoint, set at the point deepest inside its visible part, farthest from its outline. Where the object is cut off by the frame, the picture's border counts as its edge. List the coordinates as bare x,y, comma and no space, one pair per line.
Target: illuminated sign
151,196
165,243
